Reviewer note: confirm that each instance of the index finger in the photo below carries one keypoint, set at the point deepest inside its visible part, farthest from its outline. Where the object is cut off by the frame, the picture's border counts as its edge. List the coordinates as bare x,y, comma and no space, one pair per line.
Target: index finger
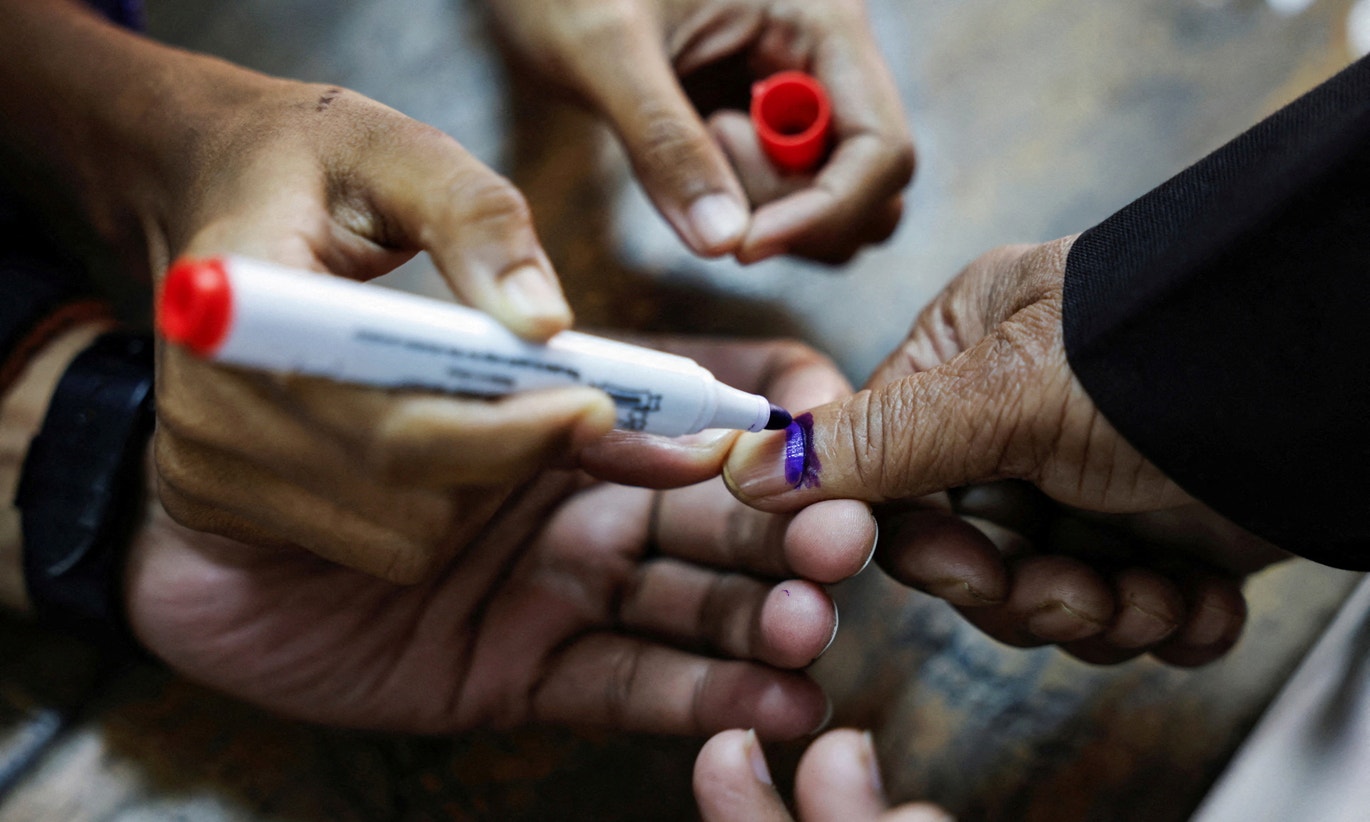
789,374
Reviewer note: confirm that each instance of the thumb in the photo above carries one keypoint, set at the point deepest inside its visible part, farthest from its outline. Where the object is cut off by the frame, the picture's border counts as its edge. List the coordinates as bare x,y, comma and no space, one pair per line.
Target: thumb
971,419
629,79
426,191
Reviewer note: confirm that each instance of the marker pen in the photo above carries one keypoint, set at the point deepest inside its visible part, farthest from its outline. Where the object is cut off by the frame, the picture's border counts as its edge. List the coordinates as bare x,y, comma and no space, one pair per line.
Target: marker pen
260,315
793,120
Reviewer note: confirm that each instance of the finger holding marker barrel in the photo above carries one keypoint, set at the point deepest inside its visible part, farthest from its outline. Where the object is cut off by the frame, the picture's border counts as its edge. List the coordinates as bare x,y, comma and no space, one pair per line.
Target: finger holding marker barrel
366,477
264,316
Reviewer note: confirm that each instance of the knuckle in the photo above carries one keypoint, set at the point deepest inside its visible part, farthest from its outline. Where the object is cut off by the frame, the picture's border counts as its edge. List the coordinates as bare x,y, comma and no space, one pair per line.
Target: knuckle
173,472
619,684
428,518
174,420
891,442
861,422
602,23
490,200
182,509
671,150
408,562
712,618
902,161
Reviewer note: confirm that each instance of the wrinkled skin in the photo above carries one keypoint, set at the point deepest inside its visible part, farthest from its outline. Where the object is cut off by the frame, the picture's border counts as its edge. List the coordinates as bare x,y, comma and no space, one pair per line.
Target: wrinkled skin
568,600
1090,546
167,153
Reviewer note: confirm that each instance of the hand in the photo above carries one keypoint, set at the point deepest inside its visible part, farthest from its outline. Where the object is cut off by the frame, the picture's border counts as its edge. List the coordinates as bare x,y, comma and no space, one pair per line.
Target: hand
1029,571
176,153
576,602
838,779
359,476
980,391
627,60
322,178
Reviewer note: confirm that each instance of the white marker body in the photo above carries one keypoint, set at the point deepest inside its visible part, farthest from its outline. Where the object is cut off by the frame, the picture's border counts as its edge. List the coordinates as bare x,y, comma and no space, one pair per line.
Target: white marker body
292,321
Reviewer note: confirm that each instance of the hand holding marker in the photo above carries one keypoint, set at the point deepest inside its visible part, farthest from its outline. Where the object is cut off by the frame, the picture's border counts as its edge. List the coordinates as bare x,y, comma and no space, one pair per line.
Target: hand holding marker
259,315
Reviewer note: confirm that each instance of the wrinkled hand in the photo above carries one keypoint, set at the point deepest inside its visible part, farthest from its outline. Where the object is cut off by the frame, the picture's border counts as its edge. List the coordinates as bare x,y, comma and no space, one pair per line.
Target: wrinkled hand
980,391
322,178
628,59
838,780
1107,587
575,602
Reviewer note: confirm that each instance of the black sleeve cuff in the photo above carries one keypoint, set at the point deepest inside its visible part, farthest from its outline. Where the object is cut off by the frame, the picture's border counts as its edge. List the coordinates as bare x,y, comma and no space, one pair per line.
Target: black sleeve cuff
1222,324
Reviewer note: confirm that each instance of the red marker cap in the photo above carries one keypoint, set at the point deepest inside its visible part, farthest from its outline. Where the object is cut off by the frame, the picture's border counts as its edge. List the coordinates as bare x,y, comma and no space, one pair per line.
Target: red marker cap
195,304
793,119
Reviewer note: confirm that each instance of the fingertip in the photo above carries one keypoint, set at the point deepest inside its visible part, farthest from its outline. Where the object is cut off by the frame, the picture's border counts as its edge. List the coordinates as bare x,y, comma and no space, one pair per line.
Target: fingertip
839,777
715,223
1216,618
791,710
731,779
531,304
654,461
798,622
780,705
722,755
597,419
942,555
1060,599
1150,609
831,540
778,470
917,812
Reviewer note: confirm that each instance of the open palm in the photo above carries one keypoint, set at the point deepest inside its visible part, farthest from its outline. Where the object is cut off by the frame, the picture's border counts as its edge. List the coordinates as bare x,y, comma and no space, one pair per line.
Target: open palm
570,600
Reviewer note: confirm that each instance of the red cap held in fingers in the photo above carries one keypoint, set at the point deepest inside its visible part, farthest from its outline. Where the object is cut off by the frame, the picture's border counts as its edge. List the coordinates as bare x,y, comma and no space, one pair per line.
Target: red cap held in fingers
195,304
793,119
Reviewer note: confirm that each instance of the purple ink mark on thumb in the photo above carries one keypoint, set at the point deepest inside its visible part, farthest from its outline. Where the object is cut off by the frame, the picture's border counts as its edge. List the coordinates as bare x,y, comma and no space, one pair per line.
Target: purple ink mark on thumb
794,454
801,459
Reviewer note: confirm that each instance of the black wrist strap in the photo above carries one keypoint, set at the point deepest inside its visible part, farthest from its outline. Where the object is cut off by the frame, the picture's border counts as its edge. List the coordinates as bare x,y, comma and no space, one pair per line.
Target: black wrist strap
81,490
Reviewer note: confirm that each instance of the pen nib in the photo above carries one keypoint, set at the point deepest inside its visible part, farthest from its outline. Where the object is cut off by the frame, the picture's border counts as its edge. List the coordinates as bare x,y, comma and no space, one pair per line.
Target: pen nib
780,418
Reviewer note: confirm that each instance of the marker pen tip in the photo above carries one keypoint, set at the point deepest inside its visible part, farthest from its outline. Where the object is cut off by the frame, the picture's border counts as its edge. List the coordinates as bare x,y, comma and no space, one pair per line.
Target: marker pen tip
780,418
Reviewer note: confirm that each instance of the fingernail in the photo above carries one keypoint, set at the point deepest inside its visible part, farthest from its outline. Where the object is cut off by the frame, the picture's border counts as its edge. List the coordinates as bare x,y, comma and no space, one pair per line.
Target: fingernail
528,291
959,592
836,620
827,717
1059,622
1210,626
758,759
870,555
775,463
873,763
717,221
1137,627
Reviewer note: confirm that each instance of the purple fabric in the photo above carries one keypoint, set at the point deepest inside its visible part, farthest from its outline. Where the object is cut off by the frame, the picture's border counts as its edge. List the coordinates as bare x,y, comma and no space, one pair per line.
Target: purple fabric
124,12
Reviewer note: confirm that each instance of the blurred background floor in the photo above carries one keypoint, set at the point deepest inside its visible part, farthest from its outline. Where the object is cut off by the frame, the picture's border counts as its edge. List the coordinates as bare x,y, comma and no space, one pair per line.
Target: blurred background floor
1034,119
